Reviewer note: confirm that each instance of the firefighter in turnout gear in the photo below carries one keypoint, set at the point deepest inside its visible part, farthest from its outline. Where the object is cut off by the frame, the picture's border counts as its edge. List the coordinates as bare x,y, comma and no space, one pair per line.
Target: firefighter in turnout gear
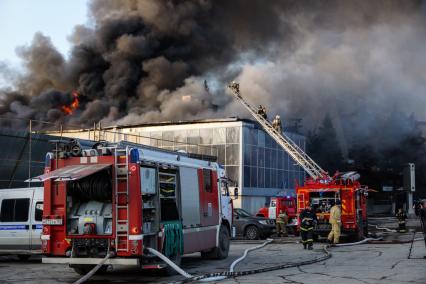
261,110
335,221
281,224
401,216
276,124
308,219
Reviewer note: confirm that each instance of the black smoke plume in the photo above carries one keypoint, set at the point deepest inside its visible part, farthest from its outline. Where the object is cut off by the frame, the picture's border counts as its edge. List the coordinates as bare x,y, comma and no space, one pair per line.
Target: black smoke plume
146,61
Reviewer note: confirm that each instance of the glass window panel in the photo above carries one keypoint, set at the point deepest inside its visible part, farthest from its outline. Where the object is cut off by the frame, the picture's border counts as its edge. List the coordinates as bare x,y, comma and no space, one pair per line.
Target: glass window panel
247,154
247,176
291,179
261,156
280,179
38,213
21,209
220,154
253,176
193,136
180,136
233,135
246,136
205,150
192,149
206,136
268,178
254,156
253,136
7,210
261,138
219,135
268,141
268,158
168,137
261,177
232,154
232,173
156,138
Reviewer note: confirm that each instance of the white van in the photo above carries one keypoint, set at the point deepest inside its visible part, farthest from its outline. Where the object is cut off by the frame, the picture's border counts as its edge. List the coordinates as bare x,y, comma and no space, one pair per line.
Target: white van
21,211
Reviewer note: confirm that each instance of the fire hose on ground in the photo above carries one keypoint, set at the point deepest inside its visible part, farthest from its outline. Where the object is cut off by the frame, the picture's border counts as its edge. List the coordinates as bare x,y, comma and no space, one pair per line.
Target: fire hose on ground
231,273
95,269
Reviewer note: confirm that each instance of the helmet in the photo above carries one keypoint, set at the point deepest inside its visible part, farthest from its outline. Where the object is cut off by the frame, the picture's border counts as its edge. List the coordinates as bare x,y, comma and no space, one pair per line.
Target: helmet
277,116
338,202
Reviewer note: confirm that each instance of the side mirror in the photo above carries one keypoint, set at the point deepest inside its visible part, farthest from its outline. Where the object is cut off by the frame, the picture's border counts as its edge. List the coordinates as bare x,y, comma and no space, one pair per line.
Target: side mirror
236,193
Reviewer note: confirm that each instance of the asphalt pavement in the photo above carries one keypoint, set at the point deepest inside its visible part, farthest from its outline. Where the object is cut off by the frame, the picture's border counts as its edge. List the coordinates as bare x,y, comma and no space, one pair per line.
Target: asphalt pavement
367,263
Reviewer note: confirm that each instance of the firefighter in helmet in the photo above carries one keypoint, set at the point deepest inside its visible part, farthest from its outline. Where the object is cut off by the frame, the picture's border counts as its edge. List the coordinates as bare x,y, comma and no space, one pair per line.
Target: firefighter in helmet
308,219
335,221
281,223
276,123
261,110
401,216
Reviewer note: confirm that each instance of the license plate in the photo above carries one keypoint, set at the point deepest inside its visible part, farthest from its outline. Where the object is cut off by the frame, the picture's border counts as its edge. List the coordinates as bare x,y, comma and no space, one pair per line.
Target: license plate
52,222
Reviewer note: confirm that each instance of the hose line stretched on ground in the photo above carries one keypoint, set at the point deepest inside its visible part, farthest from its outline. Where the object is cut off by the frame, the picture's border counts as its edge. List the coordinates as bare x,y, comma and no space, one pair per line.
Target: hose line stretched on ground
94,270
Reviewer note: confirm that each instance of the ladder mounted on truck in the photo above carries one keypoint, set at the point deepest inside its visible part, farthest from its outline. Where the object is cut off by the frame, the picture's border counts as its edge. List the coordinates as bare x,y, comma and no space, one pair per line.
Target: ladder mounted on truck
121,177
306,162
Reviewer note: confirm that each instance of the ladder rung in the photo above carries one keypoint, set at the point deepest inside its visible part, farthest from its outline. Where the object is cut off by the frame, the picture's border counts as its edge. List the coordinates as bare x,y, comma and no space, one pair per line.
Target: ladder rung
121,207
122,221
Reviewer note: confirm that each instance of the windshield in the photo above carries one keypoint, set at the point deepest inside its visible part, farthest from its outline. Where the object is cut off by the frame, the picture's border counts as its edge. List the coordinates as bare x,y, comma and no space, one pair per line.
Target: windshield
242,212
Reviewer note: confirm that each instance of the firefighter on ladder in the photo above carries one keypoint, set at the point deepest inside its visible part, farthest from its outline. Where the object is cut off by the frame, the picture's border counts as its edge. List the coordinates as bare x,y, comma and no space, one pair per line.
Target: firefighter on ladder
335,221
261,110
276,123
308,219
401,216
281,224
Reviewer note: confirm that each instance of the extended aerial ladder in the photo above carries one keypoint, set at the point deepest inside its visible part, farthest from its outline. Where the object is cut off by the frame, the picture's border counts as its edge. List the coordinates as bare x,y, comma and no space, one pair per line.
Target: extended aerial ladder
306,162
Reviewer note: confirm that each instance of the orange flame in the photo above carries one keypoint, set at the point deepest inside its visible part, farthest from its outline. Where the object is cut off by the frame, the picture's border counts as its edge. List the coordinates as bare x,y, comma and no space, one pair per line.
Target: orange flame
73,106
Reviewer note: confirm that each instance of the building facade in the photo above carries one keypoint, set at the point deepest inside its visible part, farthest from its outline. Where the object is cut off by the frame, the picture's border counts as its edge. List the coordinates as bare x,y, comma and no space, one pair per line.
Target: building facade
254,162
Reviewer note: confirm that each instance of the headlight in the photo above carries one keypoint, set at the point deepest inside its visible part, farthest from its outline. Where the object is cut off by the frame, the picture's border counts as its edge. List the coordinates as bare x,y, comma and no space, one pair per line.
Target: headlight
264,222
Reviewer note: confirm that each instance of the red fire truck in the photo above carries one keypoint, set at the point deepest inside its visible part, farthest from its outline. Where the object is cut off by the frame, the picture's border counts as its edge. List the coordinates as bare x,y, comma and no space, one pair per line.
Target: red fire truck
323,193
320,188
285,203
120,200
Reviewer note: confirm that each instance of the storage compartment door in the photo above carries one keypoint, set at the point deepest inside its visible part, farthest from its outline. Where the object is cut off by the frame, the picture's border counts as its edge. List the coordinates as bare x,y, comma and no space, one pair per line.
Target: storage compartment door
208,197
190,197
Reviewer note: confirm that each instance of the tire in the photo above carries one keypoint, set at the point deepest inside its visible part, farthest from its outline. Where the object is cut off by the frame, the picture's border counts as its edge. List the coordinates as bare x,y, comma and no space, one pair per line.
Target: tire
252,232
24,257
177,259
366,228
222,251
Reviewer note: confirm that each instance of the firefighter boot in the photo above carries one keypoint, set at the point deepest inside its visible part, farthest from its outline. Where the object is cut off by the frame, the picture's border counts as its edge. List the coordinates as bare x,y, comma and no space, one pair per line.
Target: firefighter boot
304,246
310,247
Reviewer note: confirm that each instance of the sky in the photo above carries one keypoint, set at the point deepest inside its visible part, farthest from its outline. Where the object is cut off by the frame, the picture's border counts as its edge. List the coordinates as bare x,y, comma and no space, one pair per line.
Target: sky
21,19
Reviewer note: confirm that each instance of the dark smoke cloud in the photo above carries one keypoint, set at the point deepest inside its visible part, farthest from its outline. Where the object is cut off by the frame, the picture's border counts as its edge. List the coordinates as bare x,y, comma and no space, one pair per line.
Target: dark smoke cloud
146,61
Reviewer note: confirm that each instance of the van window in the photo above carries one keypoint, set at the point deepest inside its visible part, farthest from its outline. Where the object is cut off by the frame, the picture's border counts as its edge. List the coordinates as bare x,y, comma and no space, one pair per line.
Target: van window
38,214
14,210
207,180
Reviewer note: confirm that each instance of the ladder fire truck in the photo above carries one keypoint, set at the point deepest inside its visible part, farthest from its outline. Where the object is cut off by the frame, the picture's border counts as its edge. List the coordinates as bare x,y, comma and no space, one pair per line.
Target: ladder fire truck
320,189
125,200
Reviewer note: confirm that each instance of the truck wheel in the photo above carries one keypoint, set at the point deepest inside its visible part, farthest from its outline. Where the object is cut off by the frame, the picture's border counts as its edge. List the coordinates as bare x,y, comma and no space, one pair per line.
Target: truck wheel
366,228
252,233
24,257
222,250
176,259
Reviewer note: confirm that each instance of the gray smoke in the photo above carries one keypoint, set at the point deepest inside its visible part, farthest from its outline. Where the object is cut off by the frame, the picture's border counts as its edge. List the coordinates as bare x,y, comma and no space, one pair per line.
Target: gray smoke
146,61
